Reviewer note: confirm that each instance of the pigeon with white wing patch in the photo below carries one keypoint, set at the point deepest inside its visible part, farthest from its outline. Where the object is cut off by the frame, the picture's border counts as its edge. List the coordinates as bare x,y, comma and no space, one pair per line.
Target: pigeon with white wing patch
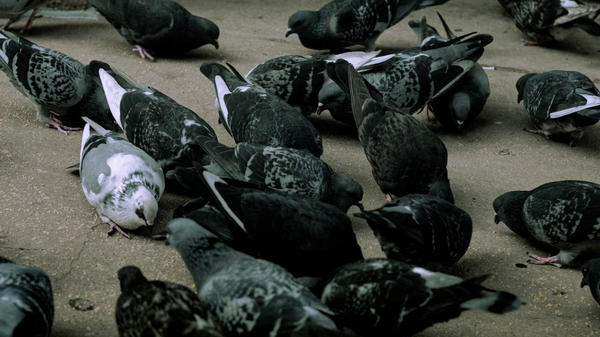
121,181
560,103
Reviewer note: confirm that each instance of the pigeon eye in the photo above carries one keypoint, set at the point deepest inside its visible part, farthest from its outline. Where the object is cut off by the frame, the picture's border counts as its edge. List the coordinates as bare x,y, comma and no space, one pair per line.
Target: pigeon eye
140,213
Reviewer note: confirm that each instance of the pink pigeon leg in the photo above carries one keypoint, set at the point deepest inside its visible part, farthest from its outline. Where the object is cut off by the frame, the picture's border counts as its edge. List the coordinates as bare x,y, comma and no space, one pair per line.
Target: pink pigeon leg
58,125
552,260
114,226
388,197
30,22
143,52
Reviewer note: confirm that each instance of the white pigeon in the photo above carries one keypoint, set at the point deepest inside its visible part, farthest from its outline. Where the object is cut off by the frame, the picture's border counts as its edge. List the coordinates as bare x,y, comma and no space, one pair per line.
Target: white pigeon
123,182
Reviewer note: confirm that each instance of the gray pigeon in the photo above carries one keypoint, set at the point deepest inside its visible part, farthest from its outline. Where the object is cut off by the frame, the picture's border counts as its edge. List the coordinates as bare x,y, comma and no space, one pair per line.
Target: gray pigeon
249,296
591,277
56,83
121,181
284,169
161,27
562,214
153,121
14,9
344,23
548,20
252,114
560,103
26,301
298,79
413,78
405,156
160,309
421,230
382,297
465,100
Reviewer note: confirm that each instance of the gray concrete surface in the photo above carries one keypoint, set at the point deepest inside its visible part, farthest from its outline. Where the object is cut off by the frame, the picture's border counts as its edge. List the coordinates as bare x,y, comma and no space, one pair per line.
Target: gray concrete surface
45,220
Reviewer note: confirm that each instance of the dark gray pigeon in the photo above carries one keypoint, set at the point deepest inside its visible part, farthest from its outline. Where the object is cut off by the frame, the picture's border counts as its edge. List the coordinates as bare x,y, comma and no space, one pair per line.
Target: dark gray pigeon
560,103
421,230
26,301
305,236
59,86
382,297
14,9
591,277
405,156
465,100
252,114
153,121
160,27
344,23
548,20
562,214
121,181
249,296
283,169
160,309
412,79
298,79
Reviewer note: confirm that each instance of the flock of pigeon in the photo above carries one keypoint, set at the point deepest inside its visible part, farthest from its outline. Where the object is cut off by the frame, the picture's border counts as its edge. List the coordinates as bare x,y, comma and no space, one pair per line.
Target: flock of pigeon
266,237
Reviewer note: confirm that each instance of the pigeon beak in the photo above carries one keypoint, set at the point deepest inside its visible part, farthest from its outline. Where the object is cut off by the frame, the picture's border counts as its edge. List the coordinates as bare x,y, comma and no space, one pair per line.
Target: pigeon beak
319,108
360,206
583,283
496,219
289,32
216,44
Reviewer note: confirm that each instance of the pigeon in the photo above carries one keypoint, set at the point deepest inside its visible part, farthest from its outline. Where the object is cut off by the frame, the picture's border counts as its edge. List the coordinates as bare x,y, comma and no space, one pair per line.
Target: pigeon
14,9
26,301
562,214
412,79
422,230
405,156
560,103
298,79
156,308
284,169
546,21
344,23
56,83
153,121
248,296
385,297
305,236
160,27
123,182
252,114
591,277
465,100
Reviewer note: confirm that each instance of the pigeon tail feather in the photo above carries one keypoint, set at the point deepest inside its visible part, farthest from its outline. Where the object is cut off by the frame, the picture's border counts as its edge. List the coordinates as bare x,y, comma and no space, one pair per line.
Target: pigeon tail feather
84,137
211,180
592,101
114,93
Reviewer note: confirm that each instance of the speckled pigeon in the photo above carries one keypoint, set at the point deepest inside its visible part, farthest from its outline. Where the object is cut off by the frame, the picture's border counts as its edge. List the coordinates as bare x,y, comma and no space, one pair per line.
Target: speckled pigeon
248,295
254,115
305,236
160,27
56,83
121,181
422,230
405,156
153,121
560,103
562,214
161,309
26,301
591,277
284,169
384,297
298,79
548,20
343,23
465,100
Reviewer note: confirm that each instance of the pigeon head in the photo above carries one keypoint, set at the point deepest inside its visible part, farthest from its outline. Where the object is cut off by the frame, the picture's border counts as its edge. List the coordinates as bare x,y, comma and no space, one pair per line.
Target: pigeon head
590,272
346,192
130,276
182,232
509,208
521,82
461,105
210,29
332,98
441,188
139,207
310,29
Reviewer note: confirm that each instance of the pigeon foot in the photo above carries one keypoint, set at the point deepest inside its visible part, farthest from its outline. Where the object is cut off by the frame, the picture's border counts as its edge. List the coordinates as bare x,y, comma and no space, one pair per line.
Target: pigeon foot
143,52
58,125
30,22
531,43
114,226
535,131
388,197
552,260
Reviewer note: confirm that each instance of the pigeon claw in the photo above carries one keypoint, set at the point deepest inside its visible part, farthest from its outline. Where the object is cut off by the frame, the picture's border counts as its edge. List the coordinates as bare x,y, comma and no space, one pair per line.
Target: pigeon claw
113,227
552,260
143,52
58,125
